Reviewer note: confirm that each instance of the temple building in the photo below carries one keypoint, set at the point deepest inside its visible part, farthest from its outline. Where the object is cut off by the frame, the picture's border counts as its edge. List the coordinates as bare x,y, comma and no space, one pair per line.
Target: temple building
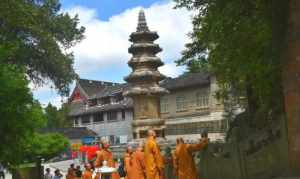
101,107
182,106
189,108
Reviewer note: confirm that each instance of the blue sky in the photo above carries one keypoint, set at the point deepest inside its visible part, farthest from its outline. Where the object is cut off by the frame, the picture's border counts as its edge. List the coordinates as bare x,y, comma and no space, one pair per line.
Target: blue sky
107,8
103,54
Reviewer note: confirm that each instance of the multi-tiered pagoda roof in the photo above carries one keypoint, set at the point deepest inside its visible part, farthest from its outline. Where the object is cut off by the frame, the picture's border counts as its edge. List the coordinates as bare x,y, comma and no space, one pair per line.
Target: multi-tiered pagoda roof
145,76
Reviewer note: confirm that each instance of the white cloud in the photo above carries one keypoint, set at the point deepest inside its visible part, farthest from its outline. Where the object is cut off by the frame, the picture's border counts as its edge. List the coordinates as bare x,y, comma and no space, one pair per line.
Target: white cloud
106,42
171,70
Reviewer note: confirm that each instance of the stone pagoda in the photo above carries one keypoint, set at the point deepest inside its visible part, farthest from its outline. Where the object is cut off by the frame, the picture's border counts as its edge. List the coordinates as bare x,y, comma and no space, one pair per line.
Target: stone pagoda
144,80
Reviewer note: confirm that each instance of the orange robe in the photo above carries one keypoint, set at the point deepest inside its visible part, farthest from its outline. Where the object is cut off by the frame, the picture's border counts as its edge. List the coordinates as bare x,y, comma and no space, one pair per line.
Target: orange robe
98,163
138,165
71,174
107,156
87,174
128,166
153,159
97,176
184,160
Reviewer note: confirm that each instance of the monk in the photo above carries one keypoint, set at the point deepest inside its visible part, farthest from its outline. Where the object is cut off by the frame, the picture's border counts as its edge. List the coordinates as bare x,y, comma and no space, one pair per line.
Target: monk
97,163
138,163
71,172
184,164
87,174
98,175
106,155
128,163
153,159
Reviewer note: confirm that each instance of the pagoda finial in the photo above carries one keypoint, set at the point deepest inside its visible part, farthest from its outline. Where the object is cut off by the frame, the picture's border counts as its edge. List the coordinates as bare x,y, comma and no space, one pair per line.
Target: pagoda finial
142,24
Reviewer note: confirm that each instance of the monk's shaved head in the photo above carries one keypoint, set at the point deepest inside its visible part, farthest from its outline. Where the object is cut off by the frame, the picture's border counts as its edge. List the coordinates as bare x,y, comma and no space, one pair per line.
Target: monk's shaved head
129,149
151,133
179,140
140,146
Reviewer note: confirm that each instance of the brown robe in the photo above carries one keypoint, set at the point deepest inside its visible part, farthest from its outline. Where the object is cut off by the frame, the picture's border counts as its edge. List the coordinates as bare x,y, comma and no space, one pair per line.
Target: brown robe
153,160
184,162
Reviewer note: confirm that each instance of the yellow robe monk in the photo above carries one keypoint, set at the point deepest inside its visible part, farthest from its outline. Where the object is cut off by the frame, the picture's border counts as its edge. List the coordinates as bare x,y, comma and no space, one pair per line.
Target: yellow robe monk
128,166
183,159
153,159
87,174
107,156
138,165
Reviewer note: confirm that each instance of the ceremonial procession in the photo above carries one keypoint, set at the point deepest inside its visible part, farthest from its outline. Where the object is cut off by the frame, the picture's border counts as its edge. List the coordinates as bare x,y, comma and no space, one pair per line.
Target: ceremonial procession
143,161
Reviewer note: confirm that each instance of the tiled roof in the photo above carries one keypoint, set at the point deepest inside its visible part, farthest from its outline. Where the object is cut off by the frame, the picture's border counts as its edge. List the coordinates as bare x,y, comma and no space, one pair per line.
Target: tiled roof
75,107
186,80
91,87
72,132
80,109
110,90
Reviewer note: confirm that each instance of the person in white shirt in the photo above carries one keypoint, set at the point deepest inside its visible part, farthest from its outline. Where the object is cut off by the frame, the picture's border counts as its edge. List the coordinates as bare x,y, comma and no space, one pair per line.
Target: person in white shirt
48,175
2,174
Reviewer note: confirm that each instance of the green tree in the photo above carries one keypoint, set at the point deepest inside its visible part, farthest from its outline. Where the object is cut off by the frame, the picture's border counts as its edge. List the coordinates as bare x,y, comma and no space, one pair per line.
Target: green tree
57,118
20,114
21,117
238,41
36,35
46,146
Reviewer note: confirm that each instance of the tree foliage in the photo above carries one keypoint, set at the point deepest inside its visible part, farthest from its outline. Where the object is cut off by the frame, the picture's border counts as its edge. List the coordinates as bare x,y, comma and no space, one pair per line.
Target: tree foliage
34,40
46,146
21,118
36,35
20,114
57,118
236,40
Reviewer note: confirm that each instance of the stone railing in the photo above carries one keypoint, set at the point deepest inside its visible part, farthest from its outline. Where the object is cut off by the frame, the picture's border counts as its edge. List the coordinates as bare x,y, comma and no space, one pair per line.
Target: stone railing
262,155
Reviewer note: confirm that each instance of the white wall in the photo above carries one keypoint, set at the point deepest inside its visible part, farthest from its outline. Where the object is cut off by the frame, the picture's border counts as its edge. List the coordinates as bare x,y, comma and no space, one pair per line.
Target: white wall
117,128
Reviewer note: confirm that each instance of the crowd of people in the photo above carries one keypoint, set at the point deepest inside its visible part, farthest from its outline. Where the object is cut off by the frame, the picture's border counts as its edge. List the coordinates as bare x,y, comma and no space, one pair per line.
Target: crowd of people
57,174
143,162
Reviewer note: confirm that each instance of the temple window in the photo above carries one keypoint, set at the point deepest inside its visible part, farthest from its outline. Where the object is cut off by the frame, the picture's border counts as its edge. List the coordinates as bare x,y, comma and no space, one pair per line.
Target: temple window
85,119
98,117
164,105
112,116
92,102
76,121
106,100
118,97
202,98
123,114
181,103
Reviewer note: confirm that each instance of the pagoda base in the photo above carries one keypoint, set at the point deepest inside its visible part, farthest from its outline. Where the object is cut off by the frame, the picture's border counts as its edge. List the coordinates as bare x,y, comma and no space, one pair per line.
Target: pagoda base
141,127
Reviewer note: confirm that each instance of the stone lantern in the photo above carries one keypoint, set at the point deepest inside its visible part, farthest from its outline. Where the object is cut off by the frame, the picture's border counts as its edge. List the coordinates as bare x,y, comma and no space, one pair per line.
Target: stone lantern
144,80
